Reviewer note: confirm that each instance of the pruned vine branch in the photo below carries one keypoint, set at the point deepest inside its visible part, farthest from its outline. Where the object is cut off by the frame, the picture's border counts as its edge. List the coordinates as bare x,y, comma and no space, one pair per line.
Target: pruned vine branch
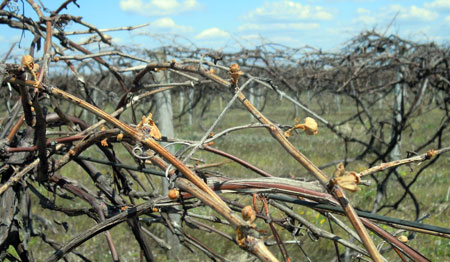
362,102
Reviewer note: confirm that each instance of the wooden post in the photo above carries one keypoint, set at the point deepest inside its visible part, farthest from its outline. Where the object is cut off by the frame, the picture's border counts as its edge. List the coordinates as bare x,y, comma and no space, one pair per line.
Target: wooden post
191,102
164,119
398,108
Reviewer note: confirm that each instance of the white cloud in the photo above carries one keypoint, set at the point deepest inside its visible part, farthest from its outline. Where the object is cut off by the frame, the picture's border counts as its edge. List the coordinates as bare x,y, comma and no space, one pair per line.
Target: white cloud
284,16
438,4
278,26
412,12
158,7
362,11
386,14
364,16
447,19
422,13
167,23
212,33
288,11
365,19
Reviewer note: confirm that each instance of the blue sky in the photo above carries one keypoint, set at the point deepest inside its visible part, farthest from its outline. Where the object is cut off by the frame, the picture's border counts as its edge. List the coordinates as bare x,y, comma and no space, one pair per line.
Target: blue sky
324,24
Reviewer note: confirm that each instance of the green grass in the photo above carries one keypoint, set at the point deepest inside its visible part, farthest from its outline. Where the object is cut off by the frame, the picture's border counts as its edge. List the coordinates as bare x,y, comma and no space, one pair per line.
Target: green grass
259,148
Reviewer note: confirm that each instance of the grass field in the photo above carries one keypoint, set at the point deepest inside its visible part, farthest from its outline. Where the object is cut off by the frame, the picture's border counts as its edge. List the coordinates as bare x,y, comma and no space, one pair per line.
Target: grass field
256,146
